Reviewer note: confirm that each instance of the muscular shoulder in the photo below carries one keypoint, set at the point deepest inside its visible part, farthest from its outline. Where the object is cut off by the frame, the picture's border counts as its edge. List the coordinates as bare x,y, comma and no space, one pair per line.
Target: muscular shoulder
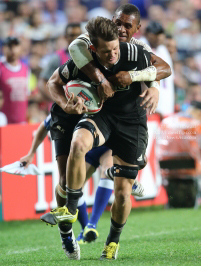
139,42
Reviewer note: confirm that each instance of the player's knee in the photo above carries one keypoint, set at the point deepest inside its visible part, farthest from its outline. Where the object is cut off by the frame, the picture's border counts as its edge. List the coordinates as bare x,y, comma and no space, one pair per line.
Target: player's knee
79,147
121,196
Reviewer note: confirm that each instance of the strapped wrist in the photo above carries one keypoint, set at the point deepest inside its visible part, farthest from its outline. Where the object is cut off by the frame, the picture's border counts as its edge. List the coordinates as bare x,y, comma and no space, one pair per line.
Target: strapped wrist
155,85
147,74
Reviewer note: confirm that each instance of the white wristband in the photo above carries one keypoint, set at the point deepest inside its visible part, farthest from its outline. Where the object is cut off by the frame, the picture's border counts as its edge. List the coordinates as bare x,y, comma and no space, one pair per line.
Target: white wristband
147,74
155,85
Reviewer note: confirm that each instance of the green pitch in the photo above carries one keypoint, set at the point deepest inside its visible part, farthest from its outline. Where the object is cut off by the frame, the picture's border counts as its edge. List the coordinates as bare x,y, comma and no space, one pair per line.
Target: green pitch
150,237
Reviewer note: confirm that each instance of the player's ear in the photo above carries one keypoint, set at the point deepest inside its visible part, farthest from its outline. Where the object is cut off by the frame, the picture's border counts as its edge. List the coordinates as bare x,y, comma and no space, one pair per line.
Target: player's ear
138,27
93,48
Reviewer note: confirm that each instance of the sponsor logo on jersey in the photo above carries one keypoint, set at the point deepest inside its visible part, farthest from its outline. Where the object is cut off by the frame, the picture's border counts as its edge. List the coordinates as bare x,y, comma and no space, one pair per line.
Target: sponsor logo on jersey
65,72
61,129
123,88
140,158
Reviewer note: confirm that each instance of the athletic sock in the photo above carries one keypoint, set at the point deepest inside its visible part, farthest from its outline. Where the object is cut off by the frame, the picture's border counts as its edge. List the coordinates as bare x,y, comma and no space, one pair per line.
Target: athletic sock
82,214
115,232
65,230
73,196
103,193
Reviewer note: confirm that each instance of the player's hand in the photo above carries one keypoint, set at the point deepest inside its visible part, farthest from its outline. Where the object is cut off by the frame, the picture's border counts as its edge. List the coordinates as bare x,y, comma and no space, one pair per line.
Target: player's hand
121,79
27,160
151,97
105,90
75,108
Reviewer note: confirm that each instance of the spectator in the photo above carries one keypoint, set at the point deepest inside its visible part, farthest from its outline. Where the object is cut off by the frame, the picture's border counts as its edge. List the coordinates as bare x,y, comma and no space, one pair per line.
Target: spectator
171,46
52,14
3,118
14,82
154,36
60,57
191,70
106,10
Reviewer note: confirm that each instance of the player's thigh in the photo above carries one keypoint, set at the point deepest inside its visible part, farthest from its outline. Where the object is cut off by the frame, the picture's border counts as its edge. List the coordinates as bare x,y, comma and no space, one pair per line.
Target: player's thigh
129,143
88,131
100,129
106,161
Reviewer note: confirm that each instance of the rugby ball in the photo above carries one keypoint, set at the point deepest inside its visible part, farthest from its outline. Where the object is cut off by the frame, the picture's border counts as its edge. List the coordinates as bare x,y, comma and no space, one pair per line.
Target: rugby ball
86,91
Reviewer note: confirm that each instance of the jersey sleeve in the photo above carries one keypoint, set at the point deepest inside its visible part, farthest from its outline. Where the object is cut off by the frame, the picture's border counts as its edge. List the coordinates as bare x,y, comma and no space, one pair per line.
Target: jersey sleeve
66,71
47,122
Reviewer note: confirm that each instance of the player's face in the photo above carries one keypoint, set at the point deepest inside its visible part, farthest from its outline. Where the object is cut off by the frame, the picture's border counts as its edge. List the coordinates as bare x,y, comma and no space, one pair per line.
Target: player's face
12,52
72,33
127,26
108,52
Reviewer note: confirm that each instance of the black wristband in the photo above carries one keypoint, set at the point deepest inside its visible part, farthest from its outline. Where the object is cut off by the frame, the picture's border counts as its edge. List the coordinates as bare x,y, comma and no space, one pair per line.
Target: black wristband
97,84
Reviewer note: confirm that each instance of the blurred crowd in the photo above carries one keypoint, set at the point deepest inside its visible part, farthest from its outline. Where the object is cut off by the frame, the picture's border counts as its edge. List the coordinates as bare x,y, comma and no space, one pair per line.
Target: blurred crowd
40,29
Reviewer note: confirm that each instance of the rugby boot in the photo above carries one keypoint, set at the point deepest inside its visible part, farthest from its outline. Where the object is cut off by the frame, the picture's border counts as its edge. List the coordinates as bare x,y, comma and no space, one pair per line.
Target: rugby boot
90,233
110,251
59,215
80,238
71,247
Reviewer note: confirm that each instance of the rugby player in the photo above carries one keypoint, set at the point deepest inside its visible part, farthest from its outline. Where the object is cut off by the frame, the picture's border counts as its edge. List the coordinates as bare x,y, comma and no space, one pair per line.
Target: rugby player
94,158
127,19
126,109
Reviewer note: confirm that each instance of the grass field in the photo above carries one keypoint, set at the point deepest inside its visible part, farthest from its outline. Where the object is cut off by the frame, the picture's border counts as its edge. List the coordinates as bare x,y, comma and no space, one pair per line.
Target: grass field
150,237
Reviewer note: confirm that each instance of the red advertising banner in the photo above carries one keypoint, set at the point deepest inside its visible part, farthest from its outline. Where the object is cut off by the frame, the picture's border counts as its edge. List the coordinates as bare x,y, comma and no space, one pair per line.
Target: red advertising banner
28,197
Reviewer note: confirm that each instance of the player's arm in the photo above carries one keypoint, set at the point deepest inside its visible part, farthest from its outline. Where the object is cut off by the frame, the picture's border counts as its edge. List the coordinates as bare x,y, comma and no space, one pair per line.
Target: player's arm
79,51
125,78
151,95
61,77
41,133
163,69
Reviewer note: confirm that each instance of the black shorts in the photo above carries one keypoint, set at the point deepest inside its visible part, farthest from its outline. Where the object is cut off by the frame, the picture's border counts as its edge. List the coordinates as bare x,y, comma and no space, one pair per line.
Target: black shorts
61,129
126,137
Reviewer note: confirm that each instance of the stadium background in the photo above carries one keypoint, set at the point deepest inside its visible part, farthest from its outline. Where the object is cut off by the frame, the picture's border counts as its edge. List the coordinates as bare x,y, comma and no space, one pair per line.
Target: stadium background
41,35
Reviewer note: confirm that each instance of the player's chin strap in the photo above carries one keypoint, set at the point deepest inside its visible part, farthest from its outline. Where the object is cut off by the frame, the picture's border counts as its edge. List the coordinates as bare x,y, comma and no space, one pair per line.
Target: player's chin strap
89,126
129,172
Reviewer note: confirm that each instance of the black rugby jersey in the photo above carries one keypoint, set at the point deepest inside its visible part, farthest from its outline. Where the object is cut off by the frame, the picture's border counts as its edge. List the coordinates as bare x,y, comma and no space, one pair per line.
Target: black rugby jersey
125,101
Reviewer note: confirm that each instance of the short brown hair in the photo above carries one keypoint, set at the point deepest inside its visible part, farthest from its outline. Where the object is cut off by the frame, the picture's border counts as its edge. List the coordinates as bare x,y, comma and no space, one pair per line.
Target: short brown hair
103,28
